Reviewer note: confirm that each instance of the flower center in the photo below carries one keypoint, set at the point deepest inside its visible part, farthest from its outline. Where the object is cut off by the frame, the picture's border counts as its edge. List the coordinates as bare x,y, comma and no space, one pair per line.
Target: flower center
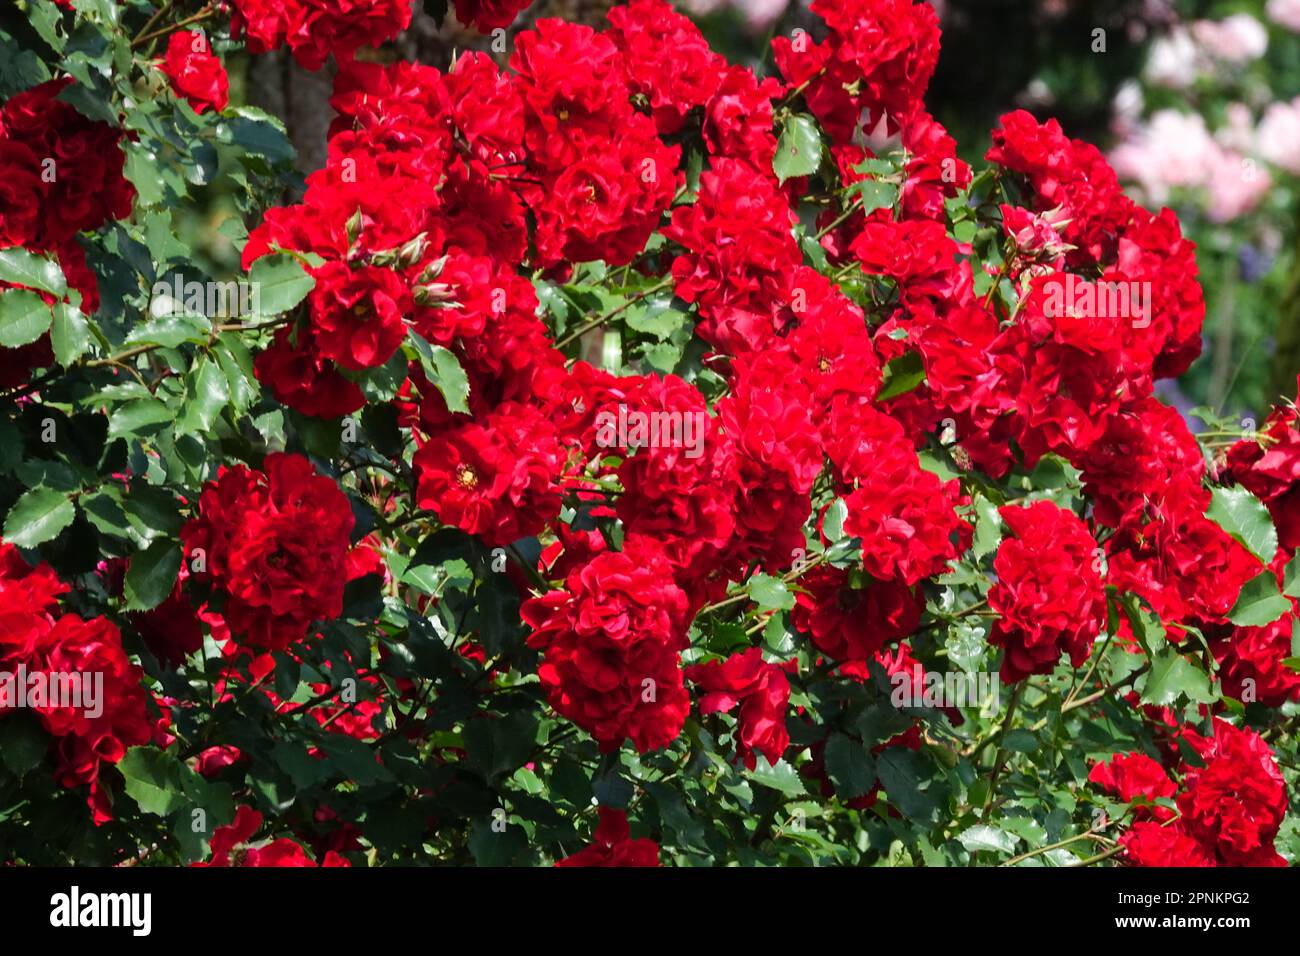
466,478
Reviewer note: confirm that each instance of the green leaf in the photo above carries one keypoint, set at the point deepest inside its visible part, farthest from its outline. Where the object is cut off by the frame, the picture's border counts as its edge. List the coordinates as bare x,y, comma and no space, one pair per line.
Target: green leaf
70,334
1291,578
655,318
783,778
19,69
141,168
769,593
23,743
875,194
1020,741
836,514
24,317
849,766
259,134
902,375
901,773
445,372
982,837
141,417
988,527
171,330
20,267
207,391
1259,603
38,516
799,151
151,575
1245,518
279,283
153,780
1173,676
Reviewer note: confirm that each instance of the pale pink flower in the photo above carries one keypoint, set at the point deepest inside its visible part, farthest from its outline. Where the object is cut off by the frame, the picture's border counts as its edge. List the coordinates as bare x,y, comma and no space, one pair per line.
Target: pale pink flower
1278,135
1239,38
1172,62
1284,12
1236,184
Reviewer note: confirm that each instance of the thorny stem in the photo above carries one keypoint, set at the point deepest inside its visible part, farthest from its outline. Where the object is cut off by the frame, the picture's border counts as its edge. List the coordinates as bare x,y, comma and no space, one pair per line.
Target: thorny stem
1001,758
602,319
743,594
146,37
1056,846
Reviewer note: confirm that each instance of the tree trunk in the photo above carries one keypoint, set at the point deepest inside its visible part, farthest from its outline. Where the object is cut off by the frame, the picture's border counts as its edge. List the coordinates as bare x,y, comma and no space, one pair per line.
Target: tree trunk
1286,357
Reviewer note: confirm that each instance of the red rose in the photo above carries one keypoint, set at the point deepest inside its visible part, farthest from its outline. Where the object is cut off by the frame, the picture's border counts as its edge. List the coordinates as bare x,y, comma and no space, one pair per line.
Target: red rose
667,60
230,847
1048,596
1135,776
1236,802
1147,843
1269,466
610,642
195,73
314,29
358,315
497,479
761,689
276,543
62,172
488,15
612,845
852,618
297,374
113,715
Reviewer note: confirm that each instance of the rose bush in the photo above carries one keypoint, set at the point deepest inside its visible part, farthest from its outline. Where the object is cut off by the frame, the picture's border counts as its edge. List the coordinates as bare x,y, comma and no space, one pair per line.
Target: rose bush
611,456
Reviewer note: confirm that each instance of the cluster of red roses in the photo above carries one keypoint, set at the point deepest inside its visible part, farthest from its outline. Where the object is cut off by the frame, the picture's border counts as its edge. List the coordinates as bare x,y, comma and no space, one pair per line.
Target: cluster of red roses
1268,465
314,29
38,639
440,193
1227,808
276,544
60,174
422,219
